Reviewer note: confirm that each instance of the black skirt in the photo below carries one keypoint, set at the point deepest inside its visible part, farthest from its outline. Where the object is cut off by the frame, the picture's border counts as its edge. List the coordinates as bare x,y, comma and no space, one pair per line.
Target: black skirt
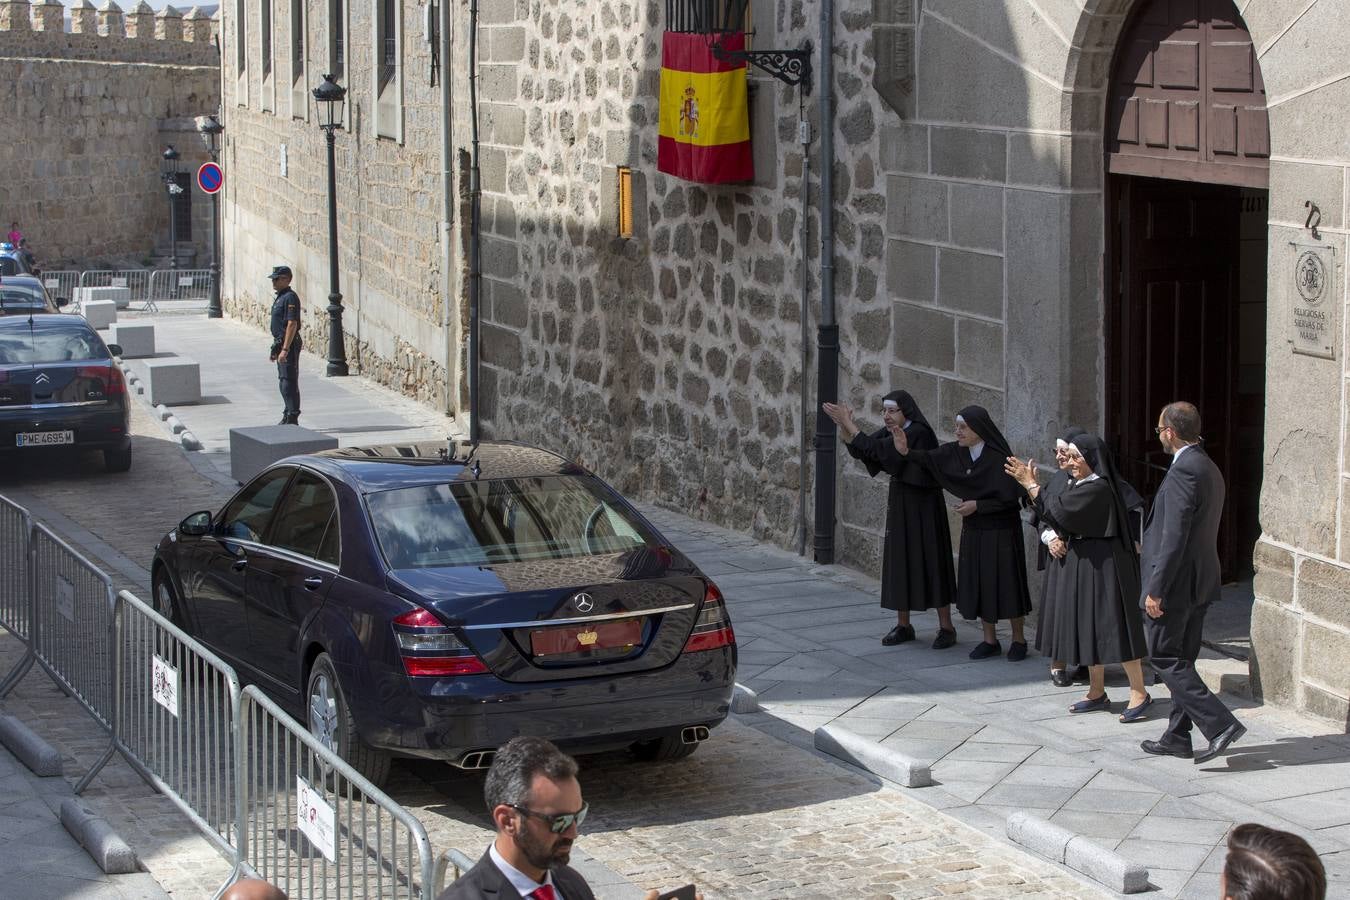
916,566
991,580
1093,623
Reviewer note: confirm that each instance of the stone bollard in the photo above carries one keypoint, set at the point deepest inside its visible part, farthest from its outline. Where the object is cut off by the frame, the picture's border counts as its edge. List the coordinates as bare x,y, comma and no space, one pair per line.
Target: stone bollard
110,22
197,27
83,17
168,24
49,15
140,21
14,16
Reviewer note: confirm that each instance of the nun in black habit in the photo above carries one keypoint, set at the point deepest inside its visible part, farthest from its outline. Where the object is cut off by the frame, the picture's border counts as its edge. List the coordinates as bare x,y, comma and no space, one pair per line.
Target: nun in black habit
1096,584
1051,546
991,577
916,567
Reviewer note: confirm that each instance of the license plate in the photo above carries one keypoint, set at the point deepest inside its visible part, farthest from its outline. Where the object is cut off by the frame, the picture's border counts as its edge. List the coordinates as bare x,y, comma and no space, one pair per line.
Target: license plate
597,636
43,438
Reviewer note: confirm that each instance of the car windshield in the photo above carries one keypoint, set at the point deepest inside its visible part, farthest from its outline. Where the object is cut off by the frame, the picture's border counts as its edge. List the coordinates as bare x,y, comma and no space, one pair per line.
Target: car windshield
21,295
501,520
46,343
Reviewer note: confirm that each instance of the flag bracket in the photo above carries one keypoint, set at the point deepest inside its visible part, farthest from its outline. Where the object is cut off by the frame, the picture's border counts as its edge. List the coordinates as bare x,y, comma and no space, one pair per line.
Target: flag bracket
792,67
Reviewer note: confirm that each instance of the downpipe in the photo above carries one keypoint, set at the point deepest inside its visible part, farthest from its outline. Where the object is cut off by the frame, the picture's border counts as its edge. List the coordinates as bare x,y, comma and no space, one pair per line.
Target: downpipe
827,334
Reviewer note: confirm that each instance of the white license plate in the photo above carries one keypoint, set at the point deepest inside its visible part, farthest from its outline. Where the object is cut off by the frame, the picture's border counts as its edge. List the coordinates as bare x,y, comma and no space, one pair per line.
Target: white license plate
43,438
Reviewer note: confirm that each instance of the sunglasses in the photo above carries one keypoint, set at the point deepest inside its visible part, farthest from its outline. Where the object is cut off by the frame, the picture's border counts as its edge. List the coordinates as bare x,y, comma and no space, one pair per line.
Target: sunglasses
557,823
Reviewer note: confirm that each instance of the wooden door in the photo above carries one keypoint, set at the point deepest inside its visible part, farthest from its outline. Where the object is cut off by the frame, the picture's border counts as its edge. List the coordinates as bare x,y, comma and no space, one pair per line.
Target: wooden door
1174,331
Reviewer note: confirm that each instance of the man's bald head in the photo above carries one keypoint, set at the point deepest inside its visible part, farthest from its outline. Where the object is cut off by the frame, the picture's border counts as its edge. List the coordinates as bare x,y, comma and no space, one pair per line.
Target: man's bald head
1184,420
253,889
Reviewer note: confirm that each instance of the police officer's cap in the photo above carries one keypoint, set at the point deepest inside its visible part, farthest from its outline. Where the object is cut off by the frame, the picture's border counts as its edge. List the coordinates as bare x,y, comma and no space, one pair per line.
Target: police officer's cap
280,272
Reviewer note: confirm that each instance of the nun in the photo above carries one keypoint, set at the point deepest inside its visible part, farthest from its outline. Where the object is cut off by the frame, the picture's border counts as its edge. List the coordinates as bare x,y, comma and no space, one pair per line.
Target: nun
991,577
1096,589
916,566
1051,546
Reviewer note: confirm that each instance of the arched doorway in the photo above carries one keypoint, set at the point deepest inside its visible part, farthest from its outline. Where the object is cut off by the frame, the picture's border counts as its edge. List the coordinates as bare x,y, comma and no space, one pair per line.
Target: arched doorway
1187,146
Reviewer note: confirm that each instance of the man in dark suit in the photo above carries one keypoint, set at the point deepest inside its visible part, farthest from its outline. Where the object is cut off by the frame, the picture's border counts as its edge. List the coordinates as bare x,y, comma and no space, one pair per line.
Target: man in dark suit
535,800
1179,569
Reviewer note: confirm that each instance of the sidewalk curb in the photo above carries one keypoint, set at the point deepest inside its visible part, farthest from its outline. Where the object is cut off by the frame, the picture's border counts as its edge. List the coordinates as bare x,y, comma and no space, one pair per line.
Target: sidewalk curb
744,700
872,756
107,849
39,756
1067,848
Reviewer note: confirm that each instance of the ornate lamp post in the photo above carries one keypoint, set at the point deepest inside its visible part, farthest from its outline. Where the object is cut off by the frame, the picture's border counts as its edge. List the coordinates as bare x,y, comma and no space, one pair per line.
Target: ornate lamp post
169,169
210,129
329,97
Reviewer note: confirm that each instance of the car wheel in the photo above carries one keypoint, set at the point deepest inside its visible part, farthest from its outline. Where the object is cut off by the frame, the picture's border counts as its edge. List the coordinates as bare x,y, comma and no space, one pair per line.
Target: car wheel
117,460
165,597
330,721
663,749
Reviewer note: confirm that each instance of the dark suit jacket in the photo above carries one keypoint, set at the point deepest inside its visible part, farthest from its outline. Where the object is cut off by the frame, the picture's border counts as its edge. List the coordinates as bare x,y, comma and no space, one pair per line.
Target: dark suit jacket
485,880
1180,559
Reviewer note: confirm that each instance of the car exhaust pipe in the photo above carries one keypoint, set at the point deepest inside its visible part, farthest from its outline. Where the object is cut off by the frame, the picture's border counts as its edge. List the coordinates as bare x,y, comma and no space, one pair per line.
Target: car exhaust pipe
475,759
694,734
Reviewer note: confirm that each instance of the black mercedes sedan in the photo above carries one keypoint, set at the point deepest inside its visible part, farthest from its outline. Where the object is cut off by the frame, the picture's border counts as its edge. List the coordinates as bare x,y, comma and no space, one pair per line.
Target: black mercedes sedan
434,600
61,390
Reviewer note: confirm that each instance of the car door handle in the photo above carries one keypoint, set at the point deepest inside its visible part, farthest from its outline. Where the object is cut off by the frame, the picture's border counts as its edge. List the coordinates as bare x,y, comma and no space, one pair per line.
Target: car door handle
313,583
239,565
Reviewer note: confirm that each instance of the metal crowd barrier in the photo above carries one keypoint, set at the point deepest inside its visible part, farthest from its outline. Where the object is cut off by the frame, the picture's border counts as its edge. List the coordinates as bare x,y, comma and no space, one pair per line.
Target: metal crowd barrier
61,283
313,826
16,526
168,285
452,859
136,280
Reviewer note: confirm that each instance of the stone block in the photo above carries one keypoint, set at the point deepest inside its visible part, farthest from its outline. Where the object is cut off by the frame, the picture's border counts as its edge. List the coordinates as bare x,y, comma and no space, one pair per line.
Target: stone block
1105,866
28,747
1036,159
911,271
885,762
1292,184
859,548
501,258
955,395
1324,591
110,852
916,208
254,449
137,340
970,282
14,16
862,500
922,386
1275,640
498,83
501,348
119,295
904,148
969,153
1326,705
924,337
977,217
173,381
99,313
1325,651
49,16
979,351
1038,835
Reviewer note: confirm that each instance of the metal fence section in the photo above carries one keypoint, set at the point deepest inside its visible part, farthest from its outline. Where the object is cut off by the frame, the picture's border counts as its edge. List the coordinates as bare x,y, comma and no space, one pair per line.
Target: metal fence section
313,825
135,280
16,525
61,283
452,860
169,285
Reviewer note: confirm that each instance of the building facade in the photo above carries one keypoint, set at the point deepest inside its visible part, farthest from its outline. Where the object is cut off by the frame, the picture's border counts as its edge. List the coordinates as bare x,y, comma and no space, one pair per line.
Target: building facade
1068,211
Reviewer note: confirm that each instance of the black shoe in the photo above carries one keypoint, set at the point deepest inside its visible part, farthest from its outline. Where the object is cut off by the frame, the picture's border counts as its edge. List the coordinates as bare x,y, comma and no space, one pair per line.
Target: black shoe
1158,748
285,420
1219,744
1060,678
984,650
1097,704
946,637
898,635
1079,675
1017,651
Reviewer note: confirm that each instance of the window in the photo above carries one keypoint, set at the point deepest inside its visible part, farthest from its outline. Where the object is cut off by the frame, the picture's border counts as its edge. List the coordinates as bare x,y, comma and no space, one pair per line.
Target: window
246,517
707,16
625,202
299,99
337,39
387,42
241,51
266,39
306,516
388,69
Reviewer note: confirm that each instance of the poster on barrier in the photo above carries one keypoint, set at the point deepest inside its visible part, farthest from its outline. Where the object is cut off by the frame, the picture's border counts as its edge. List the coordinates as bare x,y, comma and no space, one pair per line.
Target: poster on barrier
65,598
164,684
315,818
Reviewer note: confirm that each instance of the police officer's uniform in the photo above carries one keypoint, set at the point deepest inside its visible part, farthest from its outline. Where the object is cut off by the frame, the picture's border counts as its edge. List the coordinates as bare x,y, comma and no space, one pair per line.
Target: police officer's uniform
286,308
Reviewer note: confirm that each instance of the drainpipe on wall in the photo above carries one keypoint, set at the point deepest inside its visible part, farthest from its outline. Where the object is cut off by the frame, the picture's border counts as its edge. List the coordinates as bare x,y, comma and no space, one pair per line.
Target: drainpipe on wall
827,334
805,136
450,332
475,218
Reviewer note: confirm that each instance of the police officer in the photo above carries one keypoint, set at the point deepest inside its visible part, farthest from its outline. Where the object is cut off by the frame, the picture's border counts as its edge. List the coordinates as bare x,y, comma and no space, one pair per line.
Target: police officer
286,343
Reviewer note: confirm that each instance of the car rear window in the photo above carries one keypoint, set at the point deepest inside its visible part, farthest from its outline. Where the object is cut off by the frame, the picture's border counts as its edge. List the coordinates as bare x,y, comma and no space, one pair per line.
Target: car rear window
22,295
46,343
9,266
501,520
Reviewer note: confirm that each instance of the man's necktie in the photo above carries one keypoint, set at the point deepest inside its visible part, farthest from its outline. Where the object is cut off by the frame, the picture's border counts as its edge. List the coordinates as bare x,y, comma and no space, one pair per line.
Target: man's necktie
544,892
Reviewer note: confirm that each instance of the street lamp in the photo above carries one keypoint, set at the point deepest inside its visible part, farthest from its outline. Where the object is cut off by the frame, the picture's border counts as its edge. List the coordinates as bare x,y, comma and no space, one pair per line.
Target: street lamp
210,129
169,169
329,97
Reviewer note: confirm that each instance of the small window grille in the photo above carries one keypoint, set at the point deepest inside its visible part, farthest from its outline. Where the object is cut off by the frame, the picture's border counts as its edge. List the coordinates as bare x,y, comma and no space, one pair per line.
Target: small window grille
266,39
707,16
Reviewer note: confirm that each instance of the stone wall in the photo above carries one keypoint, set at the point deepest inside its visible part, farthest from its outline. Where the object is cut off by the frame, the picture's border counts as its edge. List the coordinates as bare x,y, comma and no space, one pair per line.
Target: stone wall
87,114
388,189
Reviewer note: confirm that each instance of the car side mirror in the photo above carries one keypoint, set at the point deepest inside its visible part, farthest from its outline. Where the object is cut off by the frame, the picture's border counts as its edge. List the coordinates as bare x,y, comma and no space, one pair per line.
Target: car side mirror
115,349
62,301
197,524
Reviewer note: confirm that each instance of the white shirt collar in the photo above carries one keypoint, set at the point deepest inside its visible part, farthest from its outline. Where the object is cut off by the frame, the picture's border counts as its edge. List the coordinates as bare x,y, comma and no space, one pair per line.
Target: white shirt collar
976,451
1093,477
1180,450
524,884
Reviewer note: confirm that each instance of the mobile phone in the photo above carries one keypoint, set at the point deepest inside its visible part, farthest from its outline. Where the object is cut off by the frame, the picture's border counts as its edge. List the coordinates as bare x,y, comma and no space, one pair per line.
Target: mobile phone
684,893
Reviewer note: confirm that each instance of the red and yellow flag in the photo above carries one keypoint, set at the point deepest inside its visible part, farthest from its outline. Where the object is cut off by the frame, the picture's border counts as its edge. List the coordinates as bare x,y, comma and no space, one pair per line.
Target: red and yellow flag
704,114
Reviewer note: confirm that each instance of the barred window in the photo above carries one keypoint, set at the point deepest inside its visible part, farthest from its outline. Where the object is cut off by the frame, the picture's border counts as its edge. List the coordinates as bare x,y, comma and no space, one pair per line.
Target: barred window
707,16
297,40
240,37
337,54
266,39
387,41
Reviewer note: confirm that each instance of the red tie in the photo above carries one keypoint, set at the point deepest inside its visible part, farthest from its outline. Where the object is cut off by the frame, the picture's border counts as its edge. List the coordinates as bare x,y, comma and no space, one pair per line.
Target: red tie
544,892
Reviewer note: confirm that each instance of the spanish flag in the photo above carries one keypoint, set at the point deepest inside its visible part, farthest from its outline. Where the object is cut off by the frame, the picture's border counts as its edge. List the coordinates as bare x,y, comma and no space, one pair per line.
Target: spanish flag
705,118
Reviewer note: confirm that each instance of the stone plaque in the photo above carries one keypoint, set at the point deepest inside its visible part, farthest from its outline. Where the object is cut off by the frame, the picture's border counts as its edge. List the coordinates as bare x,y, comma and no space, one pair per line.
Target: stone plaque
1313,300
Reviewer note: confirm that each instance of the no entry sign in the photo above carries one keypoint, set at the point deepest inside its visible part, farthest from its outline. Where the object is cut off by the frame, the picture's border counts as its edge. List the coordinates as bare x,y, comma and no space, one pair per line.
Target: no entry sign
209,178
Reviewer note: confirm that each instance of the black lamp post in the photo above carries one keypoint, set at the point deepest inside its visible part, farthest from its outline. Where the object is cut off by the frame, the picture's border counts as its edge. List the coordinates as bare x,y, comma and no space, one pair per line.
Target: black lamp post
329,97
169,169
210,129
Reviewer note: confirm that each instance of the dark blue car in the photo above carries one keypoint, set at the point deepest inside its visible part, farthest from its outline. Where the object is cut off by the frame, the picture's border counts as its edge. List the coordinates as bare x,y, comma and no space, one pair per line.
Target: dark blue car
434,600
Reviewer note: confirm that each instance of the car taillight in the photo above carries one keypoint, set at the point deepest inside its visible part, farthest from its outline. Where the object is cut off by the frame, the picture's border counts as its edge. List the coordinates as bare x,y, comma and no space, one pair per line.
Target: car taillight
713,628
430,649
110,377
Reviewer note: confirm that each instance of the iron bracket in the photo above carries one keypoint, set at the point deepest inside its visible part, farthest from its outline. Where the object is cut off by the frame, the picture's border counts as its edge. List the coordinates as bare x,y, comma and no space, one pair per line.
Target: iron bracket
792,67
